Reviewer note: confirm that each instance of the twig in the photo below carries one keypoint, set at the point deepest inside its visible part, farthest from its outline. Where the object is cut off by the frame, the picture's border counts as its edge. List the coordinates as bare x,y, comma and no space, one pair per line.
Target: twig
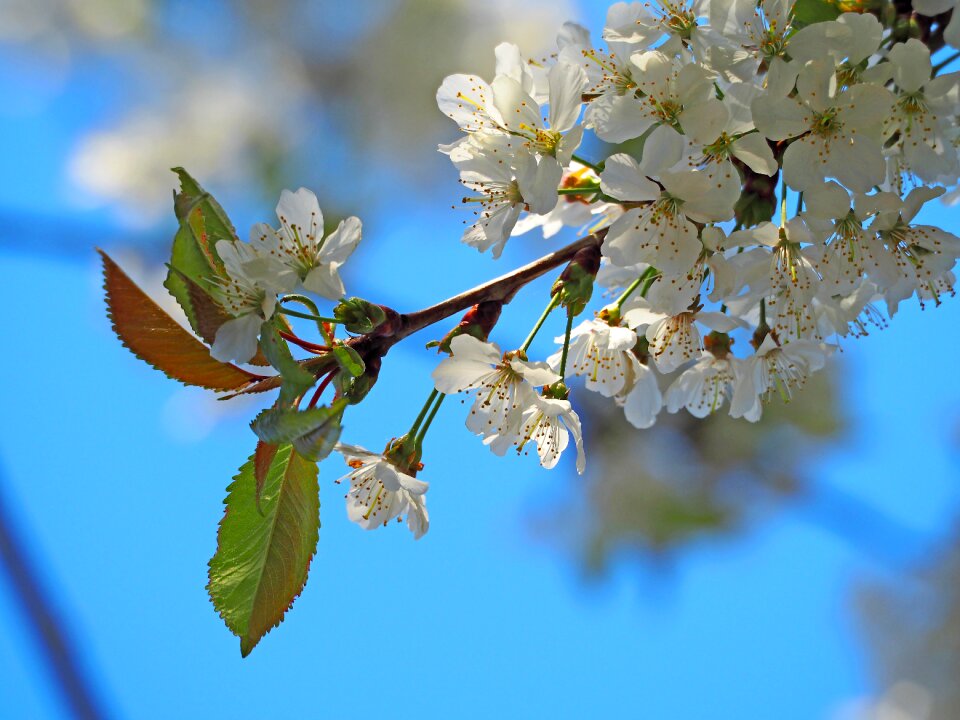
501,289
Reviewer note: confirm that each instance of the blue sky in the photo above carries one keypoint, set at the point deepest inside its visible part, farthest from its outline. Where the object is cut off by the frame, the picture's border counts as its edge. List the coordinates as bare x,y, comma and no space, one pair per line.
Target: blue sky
477,618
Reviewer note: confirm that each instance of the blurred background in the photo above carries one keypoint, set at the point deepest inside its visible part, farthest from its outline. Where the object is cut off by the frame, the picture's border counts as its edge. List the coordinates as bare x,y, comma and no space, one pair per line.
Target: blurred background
805,567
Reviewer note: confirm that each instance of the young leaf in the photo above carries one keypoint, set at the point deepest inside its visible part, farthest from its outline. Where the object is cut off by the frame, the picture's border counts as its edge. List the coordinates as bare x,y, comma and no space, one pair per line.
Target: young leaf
261,562
194,255
156,338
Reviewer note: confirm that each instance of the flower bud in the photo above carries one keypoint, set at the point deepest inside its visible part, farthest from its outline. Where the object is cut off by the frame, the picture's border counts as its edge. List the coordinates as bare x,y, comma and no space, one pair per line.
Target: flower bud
359,316
575,284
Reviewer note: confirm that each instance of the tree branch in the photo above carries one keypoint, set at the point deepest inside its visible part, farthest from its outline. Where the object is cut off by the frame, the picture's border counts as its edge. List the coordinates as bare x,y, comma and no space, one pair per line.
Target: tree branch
501,289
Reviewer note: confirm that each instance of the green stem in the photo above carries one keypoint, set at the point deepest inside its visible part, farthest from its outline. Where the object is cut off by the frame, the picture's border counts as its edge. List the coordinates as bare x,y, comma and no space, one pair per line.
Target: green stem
554,301
315,314
579,190
566,344
426,425
783,203
763,314
307,316
597,168
648,276
423,413
799,203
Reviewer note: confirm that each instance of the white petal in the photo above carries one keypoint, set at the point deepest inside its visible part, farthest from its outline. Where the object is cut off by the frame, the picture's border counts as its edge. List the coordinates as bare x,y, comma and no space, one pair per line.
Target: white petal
566,89
623,179
236,339
325,282
754,152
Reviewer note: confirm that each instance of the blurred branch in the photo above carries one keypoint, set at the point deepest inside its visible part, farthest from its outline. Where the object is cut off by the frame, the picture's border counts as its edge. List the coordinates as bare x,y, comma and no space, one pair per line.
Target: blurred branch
59,654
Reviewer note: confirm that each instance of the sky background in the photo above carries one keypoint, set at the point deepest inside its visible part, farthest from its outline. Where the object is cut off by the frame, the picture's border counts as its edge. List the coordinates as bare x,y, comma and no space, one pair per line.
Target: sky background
115,474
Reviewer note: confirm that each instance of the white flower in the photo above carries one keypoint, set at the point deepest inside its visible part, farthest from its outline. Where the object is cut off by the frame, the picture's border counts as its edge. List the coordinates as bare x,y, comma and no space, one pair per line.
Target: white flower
506,108
675,339
245,292
549,423
840,130
661,232
380,492
785,277
717,131
301,246
504,385
923,254
780,367
849,251
601,353
705,386
922,118
508,180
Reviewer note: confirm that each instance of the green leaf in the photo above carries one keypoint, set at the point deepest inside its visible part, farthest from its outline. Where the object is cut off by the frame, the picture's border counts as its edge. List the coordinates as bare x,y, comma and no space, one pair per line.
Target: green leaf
296,379
262,459
808,12
202,223
262,560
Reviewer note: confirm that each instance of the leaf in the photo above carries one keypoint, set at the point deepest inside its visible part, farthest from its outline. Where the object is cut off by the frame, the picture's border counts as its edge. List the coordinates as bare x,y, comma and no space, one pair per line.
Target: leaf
262,561
808,12
191,194
159,340
262,459
194,255
296,378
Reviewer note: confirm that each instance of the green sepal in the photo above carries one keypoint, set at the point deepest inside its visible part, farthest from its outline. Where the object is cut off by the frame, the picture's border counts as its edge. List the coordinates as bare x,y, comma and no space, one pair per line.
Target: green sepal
296,379
264,553
313,431
358,315
319,442
349,360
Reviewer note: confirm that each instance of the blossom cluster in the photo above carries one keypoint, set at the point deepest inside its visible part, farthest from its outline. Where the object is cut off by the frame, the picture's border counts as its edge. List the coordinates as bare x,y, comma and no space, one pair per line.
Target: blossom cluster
857,127
710,106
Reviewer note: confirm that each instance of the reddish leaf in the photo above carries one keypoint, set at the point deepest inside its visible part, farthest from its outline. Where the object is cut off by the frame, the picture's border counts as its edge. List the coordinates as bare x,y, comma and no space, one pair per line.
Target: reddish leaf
157,339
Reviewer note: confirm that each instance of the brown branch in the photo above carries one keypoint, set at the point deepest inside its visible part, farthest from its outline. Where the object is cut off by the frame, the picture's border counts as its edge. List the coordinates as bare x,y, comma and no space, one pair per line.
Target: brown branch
501,289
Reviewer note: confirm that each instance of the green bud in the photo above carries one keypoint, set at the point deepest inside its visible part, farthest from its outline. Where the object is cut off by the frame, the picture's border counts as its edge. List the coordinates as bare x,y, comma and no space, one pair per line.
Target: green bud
575,284
359,316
